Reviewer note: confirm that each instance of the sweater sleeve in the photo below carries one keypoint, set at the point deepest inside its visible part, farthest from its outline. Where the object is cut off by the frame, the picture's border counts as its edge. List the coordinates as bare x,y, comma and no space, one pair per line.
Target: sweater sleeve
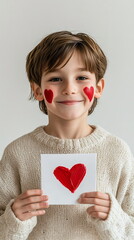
10,226
120,222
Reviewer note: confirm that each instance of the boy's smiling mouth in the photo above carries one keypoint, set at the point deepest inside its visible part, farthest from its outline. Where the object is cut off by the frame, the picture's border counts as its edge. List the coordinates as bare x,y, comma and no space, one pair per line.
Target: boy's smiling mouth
70,102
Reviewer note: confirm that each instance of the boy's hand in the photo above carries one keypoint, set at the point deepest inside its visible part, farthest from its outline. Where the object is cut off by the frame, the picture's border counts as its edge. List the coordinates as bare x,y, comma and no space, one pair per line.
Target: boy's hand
101,202
29,204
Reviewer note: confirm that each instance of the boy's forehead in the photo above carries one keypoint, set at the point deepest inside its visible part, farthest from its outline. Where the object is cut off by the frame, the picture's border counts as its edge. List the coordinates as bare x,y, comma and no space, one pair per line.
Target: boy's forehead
57,67
78,59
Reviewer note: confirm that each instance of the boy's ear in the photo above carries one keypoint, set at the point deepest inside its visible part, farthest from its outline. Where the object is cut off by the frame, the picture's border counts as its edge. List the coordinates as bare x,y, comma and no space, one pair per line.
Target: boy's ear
99,88
37,91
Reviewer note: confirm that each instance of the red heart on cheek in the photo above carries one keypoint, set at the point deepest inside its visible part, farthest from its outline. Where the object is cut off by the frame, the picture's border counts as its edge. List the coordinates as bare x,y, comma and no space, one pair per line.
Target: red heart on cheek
70,178
89,92
48,95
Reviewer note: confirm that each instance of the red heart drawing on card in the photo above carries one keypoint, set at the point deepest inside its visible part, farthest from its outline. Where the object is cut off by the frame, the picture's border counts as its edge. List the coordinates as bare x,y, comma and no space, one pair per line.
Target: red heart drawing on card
70,178
89,92
48,95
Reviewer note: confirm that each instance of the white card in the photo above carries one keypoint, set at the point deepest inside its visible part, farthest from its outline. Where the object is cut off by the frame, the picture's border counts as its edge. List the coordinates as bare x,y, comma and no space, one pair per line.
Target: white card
55,189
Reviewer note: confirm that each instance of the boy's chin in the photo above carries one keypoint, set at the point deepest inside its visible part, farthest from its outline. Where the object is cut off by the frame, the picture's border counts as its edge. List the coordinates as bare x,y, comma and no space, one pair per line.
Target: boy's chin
68,116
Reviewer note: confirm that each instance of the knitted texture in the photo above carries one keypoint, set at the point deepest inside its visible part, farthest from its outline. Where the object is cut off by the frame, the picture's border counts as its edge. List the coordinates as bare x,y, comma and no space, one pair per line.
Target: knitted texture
20,171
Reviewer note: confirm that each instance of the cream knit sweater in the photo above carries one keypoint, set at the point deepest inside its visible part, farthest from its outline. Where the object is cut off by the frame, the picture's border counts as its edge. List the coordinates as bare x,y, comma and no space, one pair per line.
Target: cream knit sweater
20,170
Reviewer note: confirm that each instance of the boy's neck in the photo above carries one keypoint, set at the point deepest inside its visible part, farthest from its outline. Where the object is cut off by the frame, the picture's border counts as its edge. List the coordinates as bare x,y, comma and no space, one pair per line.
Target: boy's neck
68,129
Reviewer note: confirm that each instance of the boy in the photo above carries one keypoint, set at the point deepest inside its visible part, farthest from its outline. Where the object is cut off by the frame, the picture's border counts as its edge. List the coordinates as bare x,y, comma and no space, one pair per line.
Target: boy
66,72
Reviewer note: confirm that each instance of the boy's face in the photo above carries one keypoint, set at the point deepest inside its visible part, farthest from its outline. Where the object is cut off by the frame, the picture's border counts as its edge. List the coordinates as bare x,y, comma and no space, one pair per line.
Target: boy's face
69,91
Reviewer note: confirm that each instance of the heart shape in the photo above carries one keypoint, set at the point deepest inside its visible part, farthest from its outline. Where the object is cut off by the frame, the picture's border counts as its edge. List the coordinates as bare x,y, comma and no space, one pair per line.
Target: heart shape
70,178
48,95
89,92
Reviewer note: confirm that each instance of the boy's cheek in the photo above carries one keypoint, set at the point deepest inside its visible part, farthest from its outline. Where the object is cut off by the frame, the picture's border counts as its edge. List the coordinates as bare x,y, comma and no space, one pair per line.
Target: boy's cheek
48,93
89,91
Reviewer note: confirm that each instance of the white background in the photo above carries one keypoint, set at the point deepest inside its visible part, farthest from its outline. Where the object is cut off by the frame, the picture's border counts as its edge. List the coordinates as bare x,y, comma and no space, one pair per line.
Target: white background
23,23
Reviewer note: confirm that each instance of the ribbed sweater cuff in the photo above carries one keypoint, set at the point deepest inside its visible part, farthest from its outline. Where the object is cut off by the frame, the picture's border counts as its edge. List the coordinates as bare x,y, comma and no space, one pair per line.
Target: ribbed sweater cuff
17,226
117,218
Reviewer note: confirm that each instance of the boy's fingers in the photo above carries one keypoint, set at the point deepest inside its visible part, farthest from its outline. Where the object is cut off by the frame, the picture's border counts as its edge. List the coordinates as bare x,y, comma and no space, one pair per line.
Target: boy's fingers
99,215
98,209
31,192
99,195
31,214
98,212
34,199
30,203
95,201
34,207
30,196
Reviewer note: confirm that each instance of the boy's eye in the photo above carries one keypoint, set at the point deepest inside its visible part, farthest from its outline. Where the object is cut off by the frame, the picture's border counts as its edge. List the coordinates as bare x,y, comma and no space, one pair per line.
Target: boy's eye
82,78
55,79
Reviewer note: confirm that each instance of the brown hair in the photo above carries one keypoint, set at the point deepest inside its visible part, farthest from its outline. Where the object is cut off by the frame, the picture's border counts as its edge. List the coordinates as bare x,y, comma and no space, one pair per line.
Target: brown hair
52,51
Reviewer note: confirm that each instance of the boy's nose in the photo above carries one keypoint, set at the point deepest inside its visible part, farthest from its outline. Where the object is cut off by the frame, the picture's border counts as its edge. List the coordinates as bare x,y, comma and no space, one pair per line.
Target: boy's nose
69,89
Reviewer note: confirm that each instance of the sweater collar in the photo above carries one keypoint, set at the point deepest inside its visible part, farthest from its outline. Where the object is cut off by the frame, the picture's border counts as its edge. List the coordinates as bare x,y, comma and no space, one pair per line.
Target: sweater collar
90,141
